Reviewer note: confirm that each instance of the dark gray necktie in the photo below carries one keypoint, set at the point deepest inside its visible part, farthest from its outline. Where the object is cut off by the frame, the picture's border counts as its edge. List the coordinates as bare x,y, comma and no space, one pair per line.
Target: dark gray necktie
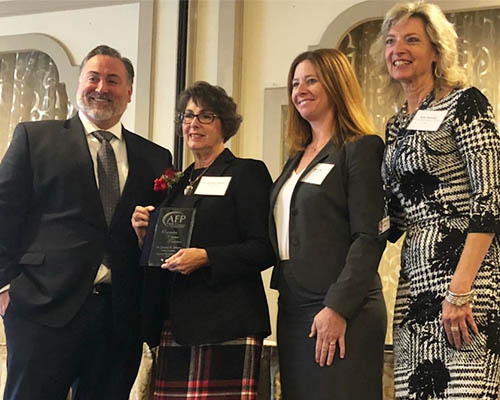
107,171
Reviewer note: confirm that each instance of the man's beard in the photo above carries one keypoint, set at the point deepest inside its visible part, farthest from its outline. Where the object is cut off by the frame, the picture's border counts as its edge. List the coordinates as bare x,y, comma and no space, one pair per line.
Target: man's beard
96,112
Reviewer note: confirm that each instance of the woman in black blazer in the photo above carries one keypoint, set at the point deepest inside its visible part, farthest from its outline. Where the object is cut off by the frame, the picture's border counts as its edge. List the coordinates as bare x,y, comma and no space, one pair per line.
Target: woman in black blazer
208,300
324,225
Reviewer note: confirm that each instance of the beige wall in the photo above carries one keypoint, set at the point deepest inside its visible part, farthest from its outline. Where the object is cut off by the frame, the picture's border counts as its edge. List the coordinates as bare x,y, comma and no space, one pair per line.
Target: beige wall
274,33
270,33
164,69
144,31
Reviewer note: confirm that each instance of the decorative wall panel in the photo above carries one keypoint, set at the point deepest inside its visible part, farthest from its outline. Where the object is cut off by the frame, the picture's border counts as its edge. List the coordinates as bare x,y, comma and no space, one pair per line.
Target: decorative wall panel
29,91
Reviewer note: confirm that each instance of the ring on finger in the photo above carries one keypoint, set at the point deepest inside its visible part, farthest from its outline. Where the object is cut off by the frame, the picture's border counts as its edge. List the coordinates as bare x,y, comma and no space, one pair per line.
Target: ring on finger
454,328
332,344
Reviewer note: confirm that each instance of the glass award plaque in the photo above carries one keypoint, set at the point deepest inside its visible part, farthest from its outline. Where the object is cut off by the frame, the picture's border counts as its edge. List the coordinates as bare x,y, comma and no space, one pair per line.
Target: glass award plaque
169,231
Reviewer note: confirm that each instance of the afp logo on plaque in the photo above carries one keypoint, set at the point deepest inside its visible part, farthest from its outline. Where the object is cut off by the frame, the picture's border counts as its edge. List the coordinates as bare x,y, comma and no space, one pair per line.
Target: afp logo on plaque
175,220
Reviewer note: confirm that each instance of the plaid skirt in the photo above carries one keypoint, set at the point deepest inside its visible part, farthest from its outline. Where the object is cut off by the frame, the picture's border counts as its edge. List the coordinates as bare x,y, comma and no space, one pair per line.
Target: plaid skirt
226,371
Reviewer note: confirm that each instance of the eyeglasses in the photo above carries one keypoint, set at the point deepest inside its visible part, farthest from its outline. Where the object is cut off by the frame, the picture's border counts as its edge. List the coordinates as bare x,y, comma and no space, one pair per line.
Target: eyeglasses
205,117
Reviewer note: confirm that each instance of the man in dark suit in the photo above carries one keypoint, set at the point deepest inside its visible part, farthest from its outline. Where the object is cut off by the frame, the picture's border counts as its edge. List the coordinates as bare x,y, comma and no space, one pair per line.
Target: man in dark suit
69,268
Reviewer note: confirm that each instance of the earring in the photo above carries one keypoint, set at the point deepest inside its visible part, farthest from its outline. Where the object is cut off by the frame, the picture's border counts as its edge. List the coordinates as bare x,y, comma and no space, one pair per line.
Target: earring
436,72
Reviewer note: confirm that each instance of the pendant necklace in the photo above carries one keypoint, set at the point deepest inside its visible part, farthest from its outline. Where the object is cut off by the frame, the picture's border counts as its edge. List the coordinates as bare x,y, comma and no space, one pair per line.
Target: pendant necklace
188,190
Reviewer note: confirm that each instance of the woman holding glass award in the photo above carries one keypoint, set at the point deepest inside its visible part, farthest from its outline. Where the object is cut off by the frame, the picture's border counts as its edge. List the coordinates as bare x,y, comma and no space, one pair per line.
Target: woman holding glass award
206,305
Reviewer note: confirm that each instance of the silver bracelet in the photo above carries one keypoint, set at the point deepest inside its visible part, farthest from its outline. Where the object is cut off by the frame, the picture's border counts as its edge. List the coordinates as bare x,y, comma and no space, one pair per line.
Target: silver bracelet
459,299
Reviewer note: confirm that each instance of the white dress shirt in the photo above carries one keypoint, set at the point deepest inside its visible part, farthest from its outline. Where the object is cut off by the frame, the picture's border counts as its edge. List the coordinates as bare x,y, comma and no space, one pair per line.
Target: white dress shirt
282,214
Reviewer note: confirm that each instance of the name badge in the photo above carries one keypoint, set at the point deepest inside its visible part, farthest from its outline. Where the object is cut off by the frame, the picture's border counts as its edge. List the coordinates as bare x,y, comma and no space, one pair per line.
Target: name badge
317,175
427,120
384,225
213,185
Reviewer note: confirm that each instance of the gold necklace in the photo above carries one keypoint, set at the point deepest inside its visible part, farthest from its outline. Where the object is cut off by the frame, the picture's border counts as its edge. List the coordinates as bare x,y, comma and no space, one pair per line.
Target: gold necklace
188,190
313,149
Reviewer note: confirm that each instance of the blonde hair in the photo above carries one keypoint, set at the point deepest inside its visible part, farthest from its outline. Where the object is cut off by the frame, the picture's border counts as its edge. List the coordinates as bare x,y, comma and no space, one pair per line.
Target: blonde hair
446,71
337,76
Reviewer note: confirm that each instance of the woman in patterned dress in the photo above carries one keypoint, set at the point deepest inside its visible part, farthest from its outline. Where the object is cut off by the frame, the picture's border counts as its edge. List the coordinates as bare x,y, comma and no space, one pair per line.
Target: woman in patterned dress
441,175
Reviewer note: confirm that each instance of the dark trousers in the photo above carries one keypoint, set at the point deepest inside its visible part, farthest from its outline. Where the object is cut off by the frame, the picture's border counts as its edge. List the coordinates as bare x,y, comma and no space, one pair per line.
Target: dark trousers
357,376
44,362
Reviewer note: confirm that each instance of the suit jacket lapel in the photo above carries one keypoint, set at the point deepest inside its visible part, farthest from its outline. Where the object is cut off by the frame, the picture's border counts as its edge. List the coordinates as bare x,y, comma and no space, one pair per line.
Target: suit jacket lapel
77,141
178,187
327,150
292,164
220,164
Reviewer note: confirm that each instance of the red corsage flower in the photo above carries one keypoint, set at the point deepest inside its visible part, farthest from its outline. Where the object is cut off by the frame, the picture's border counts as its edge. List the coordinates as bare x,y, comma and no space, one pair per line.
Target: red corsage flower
167,180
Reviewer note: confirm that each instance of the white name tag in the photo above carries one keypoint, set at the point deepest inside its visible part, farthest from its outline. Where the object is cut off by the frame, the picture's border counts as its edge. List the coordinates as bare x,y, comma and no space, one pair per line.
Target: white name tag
317,175
427,120
213,185
384,225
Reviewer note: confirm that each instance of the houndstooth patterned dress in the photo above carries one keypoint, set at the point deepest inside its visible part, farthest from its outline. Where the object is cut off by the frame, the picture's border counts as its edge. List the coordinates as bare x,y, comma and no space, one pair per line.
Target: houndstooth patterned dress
442,185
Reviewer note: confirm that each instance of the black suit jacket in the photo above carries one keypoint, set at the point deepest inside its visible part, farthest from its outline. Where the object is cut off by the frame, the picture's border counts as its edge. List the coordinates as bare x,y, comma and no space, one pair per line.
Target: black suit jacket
225,300
335,247
53,233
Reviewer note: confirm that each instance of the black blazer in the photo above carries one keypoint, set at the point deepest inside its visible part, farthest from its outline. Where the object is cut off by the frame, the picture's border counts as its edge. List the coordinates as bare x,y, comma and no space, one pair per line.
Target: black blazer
335,247
53,232
225,300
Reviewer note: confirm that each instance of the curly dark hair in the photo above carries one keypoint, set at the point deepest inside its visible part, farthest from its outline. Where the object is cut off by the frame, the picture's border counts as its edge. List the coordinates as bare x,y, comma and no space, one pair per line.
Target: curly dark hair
211,98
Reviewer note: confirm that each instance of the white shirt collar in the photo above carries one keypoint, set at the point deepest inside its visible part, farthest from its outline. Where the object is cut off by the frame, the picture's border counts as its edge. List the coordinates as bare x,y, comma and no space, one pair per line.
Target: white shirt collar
90,127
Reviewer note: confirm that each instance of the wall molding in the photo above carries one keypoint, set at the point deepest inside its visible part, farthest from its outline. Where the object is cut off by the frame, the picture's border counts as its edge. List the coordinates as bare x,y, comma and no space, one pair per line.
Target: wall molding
10,8
68,73
372,10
